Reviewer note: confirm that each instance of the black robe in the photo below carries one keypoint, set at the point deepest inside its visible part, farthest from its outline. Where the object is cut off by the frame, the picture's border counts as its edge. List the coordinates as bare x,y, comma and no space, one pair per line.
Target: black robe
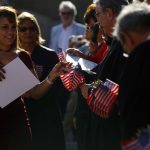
103,134
44,114
134,97
107,131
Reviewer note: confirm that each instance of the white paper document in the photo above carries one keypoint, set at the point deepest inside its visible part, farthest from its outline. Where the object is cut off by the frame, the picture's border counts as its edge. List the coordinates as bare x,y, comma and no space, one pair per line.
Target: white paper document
72,59
85,64
18,80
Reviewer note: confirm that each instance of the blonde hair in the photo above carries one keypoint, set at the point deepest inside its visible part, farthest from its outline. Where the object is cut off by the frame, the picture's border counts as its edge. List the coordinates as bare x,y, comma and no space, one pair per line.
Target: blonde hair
28,16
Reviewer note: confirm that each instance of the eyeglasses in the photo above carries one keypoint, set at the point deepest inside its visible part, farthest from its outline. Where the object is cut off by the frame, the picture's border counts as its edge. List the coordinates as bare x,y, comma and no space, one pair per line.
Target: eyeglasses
24,29
67,13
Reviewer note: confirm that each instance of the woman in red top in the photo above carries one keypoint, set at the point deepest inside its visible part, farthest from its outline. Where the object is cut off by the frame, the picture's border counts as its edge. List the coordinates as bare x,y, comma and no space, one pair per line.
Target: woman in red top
97,46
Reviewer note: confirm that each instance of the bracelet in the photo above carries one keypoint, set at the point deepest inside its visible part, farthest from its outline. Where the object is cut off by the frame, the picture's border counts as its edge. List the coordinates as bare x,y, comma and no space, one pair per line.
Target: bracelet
50,82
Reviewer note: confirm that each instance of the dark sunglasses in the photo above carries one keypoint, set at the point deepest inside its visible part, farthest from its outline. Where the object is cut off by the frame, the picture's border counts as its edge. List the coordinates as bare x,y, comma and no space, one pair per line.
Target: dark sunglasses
24,29
66,13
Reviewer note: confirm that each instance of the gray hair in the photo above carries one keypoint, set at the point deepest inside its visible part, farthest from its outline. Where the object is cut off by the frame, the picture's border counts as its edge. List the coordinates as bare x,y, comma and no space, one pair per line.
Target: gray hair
115,5
69,5
135,18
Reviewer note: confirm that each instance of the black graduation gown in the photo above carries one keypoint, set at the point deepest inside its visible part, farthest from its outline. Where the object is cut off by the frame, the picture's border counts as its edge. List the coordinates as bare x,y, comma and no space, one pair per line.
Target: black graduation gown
105,133
83,123
98,133
134,97
44,114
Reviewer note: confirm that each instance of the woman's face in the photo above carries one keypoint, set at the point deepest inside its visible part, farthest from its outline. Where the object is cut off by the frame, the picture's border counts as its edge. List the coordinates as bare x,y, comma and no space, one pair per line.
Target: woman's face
27,32
93,47
8,33
89,31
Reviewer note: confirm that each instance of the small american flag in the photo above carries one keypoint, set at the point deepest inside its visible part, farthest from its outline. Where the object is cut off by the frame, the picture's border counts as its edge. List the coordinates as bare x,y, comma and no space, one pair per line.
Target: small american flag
61,54
102,99
73,79
141,142
39,69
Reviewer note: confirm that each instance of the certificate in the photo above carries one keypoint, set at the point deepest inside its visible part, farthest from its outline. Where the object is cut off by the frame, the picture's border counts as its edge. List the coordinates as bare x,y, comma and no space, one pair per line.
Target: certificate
73,59
18,80
84,63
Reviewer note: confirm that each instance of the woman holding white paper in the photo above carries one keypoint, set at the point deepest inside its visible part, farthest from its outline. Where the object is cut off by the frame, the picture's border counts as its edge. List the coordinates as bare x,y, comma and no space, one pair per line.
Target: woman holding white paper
15,132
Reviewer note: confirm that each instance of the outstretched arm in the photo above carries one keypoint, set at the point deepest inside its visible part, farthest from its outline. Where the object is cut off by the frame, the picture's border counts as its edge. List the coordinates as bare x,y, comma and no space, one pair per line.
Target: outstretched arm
75,52
39,90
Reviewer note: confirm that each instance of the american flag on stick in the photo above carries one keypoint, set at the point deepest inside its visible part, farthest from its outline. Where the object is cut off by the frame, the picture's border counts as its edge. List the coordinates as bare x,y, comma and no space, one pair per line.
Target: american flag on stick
61,54
101,100
72,79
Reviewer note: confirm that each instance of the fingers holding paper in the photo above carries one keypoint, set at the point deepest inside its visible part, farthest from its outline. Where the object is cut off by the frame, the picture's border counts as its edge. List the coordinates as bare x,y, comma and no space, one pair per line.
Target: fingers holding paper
75,52
2,72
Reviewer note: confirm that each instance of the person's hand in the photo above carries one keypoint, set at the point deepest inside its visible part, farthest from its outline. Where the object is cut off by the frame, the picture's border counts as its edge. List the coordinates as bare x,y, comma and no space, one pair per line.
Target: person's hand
59,68
75,52
2,72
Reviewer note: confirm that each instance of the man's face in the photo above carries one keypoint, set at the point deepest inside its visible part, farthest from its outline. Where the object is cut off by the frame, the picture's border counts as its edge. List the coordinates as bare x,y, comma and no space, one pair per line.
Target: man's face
103,19
89,29
66,16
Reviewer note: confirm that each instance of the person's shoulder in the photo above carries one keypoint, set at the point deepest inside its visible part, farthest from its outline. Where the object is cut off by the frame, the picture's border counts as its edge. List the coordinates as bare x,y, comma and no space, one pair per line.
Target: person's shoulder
47,53
25,57
56,26
79,24
22,52
46,49
142,50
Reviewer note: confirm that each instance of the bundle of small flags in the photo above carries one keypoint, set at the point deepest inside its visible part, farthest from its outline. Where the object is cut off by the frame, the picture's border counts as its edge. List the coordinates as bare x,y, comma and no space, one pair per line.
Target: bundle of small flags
102,98
72,79
140,142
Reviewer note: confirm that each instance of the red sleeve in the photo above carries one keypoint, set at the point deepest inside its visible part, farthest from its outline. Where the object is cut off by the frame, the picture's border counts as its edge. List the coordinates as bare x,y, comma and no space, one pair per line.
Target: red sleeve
100,55
25,57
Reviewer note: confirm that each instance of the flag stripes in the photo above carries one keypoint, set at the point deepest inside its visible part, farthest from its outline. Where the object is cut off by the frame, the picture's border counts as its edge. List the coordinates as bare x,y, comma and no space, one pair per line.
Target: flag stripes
102,99
72,80
141,142
61,54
